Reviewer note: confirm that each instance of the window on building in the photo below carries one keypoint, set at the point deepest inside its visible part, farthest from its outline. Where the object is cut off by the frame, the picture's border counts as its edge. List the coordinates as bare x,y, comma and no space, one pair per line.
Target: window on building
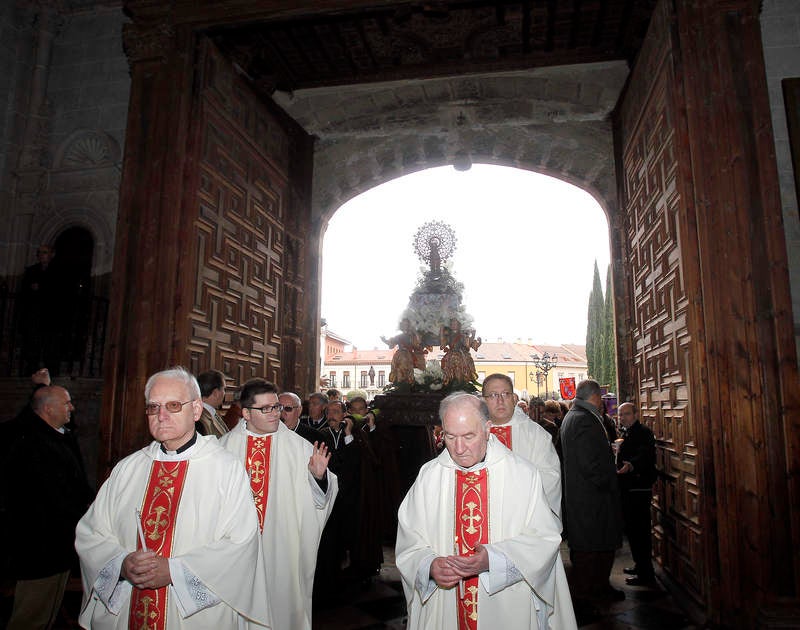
511,376
481,376
364,379
346,380
332,379
381,378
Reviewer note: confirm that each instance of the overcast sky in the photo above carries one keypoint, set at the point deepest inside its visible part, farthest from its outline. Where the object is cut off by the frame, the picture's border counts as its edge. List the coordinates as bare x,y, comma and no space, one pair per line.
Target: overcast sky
525,252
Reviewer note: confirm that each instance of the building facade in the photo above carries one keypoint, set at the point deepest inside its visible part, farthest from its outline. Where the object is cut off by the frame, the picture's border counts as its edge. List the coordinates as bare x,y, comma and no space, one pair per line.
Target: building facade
370,369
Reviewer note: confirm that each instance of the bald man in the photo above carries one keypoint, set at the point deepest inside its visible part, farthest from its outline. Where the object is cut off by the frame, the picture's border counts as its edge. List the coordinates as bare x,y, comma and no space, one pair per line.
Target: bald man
45,492
636,472
477,542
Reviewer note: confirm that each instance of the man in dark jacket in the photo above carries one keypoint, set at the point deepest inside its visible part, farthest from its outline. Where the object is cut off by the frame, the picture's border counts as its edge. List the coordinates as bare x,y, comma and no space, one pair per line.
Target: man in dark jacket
591,499
636,470
290,415
44,494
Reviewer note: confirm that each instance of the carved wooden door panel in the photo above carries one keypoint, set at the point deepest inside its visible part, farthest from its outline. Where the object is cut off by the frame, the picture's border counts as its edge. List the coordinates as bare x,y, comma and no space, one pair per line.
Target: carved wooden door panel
655,225
713,352
249,232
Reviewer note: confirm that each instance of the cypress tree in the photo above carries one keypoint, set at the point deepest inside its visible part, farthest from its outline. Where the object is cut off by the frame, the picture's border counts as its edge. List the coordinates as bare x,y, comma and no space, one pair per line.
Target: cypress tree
594,329
609,339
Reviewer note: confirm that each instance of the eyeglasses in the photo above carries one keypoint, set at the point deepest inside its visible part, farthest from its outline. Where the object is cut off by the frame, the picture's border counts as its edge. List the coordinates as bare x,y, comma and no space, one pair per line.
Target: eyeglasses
173,406
289,408
267,409
495,396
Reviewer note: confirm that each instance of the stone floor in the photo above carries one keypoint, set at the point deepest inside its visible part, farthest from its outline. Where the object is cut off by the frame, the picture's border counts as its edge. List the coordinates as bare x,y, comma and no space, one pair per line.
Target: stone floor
381,606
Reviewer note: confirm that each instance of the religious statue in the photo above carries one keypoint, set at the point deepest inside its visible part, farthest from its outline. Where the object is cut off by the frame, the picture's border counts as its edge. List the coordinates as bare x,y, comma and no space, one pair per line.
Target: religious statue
434,316
410,353
434,257
434,243
457,363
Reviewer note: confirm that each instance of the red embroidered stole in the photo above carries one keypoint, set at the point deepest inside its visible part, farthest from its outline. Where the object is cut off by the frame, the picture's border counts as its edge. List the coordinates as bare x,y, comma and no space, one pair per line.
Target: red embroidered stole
471,528
257,465
503,433
159,512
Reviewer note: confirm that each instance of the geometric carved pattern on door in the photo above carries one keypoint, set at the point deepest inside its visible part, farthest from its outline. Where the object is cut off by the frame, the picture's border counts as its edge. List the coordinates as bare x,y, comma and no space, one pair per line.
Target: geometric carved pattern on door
236,315
662,352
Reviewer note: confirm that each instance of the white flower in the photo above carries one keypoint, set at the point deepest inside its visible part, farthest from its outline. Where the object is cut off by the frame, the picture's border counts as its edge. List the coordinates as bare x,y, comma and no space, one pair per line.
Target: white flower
434,368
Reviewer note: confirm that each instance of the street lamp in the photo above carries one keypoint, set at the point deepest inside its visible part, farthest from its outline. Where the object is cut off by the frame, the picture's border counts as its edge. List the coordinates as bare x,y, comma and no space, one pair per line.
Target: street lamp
535,377
543,365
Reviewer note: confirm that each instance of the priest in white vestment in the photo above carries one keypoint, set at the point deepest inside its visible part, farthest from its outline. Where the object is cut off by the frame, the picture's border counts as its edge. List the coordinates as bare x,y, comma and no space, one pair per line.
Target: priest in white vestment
522,435
294,493
171,541
477,542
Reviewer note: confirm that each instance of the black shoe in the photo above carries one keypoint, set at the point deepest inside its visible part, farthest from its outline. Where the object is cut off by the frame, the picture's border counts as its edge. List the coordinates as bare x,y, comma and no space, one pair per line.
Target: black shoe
641,580
630,571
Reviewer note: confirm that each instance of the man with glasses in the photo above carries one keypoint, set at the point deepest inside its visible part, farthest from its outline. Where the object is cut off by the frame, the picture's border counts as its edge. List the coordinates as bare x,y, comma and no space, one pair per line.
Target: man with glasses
173,534
525,438
293,491
290,415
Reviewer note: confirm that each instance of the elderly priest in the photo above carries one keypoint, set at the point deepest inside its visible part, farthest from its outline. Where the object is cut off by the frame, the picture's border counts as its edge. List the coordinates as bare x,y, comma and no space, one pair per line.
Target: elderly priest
172,539
477,544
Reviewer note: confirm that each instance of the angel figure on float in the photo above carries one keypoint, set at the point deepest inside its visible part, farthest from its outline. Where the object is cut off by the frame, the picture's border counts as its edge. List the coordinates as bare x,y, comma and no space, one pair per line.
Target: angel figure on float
410,353
457,363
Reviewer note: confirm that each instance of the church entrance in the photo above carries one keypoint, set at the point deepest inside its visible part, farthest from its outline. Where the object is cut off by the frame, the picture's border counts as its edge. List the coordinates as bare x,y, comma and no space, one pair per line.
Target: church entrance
250,130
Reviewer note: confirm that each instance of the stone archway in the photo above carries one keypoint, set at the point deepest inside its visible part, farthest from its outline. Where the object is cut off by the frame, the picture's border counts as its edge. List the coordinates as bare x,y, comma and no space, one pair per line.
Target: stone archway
555,121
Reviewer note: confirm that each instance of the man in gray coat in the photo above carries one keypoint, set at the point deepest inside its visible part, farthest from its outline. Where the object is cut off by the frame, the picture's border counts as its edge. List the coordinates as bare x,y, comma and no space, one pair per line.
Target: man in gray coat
592,518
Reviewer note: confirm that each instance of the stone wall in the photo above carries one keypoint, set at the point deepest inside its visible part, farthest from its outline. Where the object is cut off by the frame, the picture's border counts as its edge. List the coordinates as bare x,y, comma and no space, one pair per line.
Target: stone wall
780,32
16,48
88,92
69,109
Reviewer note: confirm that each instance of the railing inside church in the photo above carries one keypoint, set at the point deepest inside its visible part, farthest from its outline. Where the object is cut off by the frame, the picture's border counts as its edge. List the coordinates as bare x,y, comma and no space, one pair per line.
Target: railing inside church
69,339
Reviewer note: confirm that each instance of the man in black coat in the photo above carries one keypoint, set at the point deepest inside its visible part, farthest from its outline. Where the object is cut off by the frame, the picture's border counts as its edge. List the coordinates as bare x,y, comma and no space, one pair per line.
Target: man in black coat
636,471
592,517
317,406
290,415
44,494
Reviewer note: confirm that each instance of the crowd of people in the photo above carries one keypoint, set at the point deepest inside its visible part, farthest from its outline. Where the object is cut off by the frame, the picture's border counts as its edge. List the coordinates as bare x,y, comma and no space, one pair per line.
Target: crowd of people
256,518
